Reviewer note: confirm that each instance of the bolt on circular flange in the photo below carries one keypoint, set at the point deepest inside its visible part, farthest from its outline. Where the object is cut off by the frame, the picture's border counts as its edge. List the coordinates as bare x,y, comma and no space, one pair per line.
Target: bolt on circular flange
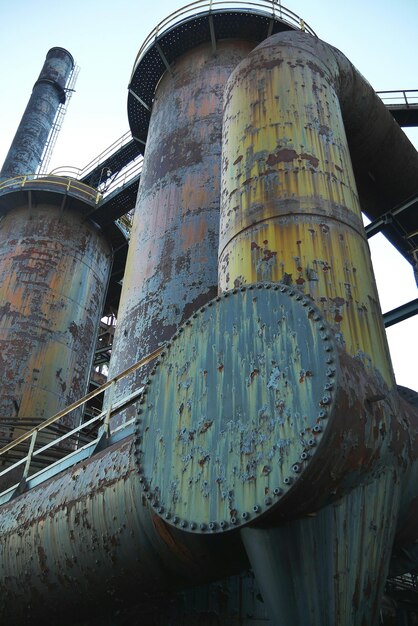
227,407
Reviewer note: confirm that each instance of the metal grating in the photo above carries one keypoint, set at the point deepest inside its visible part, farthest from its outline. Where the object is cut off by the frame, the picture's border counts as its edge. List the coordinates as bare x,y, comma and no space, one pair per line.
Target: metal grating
183,36
118,203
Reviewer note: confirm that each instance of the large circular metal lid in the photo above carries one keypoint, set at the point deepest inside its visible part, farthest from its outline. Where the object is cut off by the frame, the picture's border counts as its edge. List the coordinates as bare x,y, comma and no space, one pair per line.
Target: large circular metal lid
236,408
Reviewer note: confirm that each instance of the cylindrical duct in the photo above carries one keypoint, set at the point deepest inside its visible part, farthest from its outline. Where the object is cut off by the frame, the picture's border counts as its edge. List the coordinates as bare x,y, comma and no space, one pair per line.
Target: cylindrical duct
48,93
171,269
54,268
89,532
290,210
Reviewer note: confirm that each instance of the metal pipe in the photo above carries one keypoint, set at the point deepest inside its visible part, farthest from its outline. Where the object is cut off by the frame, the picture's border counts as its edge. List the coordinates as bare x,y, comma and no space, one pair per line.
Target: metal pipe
290,209
89,534
24,156
290,212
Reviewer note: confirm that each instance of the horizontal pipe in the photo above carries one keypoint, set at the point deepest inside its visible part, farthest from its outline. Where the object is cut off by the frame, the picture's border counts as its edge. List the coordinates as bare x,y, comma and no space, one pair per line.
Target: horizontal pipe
89,535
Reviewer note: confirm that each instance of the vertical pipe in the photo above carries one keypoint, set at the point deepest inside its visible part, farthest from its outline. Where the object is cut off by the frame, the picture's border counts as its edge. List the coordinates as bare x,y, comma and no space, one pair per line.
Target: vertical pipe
48,93
171,269
290,210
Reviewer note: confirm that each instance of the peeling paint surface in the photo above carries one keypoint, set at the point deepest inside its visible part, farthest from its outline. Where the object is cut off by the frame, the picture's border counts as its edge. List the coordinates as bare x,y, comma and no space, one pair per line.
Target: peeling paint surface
289,205
255,411
90,534
229,423
171,269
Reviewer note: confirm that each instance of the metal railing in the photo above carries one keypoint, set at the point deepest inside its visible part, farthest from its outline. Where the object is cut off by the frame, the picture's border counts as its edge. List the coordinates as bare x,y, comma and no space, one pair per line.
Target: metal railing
66,183
102,419
124,177
272,8
112,183
125,223
402,98
100,158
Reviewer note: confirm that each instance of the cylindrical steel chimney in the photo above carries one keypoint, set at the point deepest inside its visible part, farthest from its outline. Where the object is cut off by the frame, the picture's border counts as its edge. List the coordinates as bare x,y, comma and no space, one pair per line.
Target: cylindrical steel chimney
24,156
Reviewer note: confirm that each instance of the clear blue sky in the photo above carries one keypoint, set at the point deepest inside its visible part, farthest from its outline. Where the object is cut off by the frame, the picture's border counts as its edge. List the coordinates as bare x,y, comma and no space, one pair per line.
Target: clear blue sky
379,37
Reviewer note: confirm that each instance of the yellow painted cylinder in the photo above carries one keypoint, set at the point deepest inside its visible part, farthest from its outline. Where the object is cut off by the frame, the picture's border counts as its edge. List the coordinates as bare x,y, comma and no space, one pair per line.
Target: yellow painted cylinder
289,206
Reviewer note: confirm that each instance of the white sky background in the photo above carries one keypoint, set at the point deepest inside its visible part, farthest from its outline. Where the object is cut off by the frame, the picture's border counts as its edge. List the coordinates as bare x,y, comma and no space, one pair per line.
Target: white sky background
379,37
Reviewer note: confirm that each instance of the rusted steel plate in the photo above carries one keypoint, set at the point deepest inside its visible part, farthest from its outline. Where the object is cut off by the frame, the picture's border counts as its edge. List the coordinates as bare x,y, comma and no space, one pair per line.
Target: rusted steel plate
171,268
290,209
255,410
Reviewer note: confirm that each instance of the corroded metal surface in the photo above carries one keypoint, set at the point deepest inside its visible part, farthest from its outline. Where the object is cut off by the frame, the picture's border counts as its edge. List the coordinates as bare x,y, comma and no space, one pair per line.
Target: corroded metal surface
54,268
89,534
329,568
268,412
255,411
405,547
234,411
289,209
290,212
48,93
171,268
99,530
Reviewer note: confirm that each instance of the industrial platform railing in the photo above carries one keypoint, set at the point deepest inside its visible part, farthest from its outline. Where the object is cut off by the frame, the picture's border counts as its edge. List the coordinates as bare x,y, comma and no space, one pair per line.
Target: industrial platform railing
272,8
110,183
125,176
94,163
59,182
82,451
405,98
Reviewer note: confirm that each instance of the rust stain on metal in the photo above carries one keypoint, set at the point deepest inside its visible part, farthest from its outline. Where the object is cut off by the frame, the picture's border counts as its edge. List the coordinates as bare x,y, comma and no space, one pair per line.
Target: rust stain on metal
205,427
309,196
54,269
284,155
171,269
176,548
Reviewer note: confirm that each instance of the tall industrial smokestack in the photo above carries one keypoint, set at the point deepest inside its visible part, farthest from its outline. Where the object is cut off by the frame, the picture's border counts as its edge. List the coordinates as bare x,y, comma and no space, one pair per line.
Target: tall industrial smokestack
24,156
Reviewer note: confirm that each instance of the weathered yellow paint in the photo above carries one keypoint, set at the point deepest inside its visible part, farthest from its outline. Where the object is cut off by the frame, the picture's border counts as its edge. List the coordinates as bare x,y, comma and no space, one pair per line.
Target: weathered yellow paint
290,209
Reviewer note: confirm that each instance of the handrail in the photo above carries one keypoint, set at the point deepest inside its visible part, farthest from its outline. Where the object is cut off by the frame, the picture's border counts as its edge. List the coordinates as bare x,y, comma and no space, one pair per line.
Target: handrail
82,172
272,7
75,456
78,403
63,182
125,222
122,177
399,97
